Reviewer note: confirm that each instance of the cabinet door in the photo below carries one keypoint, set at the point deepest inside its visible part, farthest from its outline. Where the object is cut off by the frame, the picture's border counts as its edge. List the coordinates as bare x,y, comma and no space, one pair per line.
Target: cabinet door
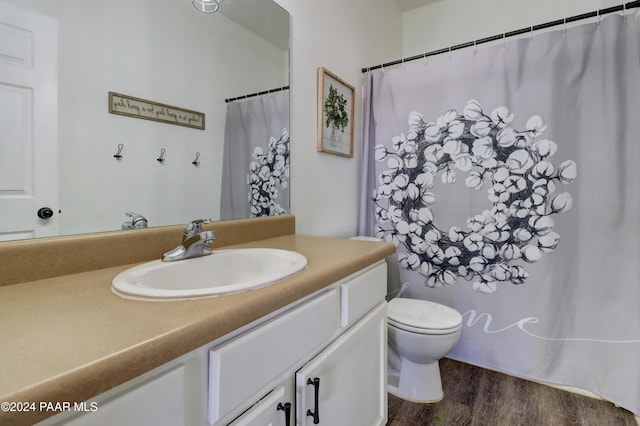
275,409
346,384
159,401
241,370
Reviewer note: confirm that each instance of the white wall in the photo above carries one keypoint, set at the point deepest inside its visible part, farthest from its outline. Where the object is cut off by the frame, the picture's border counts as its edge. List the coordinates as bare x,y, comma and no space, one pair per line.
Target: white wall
450,22
341,36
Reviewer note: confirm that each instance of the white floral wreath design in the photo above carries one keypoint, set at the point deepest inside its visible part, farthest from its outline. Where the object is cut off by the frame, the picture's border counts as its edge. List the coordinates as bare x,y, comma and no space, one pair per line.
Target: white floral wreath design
269,173
522,185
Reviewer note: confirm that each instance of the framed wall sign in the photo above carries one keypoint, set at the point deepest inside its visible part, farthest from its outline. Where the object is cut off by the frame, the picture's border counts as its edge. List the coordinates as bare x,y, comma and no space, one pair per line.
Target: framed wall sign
335,114
148,110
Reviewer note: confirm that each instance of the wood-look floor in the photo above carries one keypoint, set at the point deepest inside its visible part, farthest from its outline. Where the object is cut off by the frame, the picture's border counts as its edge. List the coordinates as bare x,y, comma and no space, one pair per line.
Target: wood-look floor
480,397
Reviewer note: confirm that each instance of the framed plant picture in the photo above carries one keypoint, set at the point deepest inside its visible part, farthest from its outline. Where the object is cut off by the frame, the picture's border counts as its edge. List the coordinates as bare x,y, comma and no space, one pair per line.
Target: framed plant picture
335,114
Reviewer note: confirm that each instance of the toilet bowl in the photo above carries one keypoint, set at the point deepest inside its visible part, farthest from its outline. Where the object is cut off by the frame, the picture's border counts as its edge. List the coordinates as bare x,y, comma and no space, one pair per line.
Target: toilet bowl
420,333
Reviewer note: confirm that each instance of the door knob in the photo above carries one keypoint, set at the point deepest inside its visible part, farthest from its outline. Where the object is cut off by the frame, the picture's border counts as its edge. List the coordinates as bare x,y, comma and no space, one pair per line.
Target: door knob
45,213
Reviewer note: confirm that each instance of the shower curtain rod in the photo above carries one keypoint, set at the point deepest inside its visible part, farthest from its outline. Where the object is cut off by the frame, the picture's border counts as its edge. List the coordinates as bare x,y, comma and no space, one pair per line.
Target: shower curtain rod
595,13
251,95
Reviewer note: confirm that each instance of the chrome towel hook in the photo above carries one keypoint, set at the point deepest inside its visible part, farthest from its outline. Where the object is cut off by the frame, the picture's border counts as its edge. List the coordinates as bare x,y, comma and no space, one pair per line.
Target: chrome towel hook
196,162
118,155
161,158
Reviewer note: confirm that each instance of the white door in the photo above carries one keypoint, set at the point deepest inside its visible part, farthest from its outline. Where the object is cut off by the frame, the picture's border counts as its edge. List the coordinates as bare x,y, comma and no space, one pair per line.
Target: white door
28,124
346,384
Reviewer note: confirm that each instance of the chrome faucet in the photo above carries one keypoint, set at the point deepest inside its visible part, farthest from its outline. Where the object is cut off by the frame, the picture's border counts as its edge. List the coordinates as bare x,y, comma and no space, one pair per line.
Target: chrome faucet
137,221
194,242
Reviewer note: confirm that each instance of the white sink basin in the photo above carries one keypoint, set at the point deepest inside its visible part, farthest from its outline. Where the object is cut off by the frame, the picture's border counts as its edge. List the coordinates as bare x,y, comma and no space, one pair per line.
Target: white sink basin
223,272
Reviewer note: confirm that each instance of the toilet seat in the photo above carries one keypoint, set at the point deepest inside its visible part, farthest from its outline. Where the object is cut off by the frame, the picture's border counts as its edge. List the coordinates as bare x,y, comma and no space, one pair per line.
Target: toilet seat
422,316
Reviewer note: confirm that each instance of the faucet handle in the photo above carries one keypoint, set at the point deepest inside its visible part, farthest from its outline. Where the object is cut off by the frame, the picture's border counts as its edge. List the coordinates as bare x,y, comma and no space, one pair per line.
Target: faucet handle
195,227
137,221
134,215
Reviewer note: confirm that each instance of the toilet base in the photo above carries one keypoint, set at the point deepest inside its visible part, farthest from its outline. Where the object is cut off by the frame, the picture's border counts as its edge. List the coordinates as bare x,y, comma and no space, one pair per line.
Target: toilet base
419,383
393,390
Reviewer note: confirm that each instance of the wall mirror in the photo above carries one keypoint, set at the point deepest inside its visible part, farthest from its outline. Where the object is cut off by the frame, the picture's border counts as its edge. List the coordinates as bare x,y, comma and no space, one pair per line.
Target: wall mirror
59,145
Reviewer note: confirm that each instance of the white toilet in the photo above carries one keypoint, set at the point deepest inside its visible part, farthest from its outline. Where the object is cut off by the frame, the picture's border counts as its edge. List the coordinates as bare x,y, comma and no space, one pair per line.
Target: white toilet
420,333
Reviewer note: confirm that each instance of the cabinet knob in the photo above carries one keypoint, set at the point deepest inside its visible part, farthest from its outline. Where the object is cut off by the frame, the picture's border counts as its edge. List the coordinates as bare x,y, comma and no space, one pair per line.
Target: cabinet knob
316,412
286,407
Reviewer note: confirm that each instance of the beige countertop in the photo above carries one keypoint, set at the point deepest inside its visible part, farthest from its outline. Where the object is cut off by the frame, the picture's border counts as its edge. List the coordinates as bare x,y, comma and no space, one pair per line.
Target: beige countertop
69,338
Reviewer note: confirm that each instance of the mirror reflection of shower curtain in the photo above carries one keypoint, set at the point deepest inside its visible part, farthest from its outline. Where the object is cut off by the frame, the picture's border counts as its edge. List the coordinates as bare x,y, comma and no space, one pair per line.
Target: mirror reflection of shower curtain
508,180
255,171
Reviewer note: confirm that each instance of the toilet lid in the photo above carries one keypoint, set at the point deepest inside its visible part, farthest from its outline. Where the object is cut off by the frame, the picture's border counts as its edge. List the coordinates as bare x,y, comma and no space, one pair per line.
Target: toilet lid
423,315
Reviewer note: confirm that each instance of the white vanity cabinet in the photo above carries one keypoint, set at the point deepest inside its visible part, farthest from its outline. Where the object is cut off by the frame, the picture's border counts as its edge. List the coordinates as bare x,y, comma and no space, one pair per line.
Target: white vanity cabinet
321,360
345,383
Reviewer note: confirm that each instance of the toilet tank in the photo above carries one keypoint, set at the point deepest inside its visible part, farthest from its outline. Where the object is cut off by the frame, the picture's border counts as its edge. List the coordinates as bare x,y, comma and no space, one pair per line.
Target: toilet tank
393,269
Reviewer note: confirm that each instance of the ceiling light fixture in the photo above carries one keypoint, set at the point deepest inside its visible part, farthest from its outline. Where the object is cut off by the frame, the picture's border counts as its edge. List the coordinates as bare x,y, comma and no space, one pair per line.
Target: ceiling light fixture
207,6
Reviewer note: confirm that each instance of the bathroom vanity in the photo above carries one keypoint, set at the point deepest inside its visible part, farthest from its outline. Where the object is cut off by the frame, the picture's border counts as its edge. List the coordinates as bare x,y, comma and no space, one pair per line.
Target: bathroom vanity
321,358
310,349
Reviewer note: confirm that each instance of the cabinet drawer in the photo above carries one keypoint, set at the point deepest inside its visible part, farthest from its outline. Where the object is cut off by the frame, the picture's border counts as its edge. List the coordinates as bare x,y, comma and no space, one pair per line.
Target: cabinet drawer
362,292
240,368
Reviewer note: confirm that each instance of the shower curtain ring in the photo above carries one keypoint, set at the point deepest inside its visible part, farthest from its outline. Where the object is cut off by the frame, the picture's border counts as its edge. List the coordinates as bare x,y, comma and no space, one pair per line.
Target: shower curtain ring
402,64
425,58
449,52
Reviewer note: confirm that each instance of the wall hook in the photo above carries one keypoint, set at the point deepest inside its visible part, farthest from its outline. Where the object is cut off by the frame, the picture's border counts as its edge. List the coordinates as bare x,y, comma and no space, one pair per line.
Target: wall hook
161,158
196,162
118,155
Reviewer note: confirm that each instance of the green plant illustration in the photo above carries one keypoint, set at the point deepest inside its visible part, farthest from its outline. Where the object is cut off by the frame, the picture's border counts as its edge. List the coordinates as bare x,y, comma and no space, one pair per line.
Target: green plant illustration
335,109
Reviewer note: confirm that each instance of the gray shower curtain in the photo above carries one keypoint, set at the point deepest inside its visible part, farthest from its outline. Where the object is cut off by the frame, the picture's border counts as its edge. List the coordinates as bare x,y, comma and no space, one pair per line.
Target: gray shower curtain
509,179
255,172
